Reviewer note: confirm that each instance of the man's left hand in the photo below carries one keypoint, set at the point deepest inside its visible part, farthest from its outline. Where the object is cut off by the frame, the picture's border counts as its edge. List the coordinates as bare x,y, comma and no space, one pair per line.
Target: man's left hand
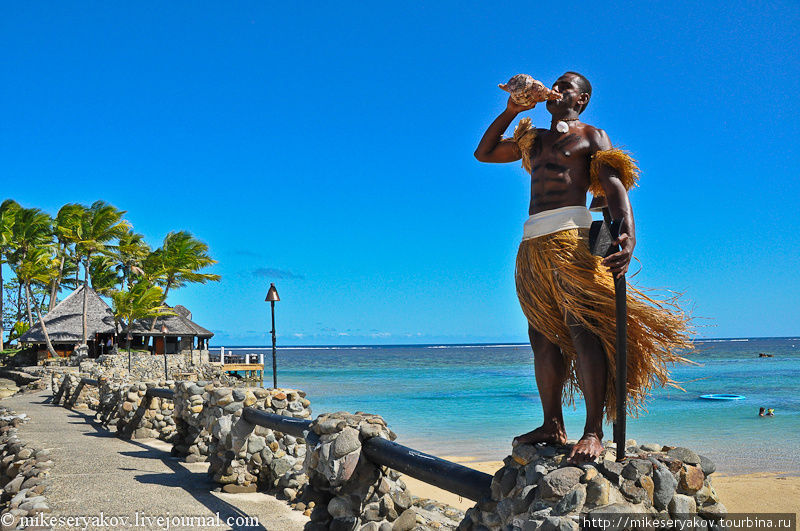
618,262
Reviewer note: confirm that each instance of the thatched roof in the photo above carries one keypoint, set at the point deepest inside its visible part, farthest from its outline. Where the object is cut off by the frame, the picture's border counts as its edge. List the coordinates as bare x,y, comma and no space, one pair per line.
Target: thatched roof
65,322
177,325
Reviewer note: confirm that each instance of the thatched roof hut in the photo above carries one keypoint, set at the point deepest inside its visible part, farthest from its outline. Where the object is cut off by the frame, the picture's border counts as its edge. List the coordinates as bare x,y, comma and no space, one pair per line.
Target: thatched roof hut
180,324
65,322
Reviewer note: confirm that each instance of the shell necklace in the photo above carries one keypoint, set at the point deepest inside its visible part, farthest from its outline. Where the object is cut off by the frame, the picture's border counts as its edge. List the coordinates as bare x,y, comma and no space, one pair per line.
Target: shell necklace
562,126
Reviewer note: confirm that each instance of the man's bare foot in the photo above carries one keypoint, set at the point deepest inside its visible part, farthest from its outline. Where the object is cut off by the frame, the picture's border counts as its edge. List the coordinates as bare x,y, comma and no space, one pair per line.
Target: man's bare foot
548,434
587,449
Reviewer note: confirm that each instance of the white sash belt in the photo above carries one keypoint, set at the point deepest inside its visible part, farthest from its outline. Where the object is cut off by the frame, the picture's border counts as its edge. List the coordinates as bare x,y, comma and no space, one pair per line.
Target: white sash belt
556,220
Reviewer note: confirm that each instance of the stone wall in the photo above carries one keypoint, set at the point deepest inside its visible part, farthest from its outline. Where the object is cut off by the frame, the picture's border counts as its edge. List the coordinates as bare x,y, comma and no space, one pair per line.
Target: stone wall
88,396
24,470
538,489
243,456
155,421
148,367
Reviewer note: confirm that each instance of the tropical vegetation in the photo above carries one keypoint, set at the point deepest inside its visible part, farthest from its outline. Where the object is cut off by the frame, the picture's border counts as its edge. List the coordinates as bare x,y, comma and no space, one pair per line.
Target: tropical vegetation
48,255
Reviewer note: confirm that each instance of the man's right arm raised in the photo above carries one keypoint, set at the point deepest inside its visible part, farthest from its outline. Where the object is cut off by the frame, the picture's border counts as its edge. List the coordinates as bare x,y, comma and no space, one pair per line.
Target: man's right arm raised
492,147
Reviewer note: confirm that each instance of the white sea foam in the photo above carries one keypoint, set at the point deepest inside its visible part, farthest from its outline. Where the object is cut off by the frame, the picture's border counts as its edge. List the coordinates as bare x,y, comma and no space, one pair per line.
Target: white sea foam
477,346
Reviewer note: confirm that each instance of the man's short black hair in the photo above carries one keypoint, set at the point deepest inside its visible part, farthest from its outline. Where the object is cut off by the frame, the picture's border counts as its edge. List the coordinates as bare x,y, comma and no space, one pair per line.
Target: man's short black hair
583,85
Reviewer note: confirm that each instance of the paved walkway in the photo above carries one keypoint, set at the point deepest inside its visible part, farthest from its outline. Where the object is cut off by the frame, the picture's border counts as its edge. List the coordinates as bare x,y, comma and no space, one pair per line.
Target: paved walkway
95,472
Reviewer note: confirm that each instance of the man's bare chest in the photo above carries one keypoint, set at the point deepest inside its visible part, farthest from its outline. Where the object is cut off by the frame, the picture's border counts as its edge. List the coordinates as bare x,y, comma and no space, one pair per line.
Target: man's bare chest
571,150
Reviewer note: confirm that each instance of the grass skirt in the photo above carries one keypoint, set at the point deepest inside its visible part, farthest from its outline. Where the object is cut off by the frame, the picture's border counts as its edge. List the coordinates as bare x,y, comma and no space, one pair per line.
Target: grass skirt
557,276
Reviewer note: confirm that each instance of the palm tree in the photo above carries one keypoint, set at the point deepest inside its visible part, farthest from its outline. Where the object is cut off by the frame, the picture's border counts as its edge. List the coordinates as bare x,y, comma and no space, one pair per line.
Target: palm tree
132,252
8,212
66,228
100,224
178,262
139,302
104,275
37,266
32,230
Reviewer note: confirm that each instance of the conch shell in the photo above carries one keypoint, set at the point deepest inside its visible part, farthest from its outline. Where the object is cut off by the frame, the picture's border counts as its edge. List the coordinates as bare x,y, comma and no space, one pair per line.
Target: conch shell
527,91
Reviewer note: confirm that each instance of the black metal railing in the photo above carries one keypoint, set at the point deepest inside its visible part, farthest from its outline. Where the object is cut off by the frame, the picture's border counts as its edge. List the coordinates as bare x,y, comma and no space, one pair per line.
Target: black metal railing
452,477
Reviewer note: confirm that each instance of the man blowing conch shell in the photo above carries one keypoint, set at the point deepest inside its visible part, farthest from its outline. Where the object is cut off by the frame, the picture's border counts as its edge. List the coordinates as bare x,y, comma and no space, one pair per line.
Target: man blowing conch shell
566,293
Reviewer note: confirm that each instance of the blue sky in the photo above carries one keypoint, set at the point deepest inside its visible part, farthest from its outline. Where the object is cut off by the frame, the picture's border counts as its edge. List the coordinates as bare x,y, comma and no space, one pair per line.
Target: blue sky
328,148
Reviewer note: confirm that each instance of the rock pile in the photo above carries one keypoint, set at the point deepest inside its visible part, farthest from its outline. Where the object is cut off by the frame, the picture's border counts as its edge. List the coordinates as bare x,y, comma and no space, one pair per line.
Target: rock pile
347,491
88,397
538,489
156,422
23,472
243,456
191,418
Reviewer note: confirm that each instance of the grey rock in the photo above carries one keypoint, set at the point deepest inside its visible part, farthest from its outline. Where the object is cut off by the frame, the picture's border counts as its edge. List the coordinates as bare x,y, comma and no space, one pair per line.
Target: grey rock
340,507
401,499
346,442
369,430
370,526
348,523
651,447
240,432
505,509
707,465
222,427
524,499
597,491
554,523
524,453
665,486
559,482
533,524
508,481
685,455
13,486
632,491
281,466
406,521
573,501
372,512
715,511
682,505
637,468
255,444
533,473
612,470
233,407
546,451
239,395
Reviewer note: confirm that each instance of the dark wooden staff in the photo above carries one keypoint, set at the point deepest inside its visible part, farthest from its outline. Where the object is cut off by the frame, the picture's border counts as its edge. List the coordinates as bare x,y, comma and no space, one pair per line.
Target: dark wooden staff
621,299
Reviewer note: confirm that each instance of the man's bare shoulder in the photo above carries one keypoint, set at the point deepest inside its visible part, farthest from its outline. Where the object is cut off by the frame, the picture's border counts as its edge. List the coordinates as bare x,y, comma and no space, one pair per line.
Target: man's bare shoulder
597,137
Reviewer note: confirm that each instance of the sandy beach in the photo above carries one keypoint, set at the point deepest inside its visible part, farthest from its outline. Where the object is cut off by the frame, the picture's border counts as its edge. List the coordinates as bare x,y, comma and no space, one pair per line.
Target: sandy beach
759,493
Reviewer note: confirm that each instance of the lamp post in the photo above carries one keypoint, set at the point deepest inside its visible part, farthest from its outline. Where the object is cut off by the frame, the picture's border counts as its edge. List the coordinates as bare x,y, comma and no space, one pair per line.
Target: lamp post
164,331
129,337
272,298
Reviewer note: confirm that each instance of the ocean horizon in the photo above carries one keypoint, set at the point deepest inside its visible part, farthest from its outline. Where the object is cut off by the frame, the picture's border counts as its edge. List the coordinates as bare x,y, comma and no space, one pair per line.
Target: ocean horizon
472,399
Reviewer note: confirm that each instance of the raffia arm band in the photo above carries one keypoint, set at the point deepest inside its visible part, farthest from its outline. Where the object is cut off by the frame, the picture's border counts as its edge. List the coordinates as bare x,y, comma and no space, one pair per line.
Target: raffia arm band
619,160
524,135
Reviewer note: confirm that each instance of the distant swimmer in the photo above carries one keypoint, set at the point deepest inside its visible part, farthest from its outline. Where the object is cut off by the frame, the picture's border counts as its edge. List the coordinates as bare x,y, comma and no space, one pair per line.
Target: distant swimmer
770,412
762,355
761,411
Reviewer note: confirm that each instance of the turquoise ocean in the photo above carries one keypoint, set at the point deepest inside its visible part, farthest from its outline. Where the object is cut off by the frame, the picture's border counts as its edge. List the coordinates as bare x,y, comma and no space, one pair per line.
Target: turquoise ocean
471,400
